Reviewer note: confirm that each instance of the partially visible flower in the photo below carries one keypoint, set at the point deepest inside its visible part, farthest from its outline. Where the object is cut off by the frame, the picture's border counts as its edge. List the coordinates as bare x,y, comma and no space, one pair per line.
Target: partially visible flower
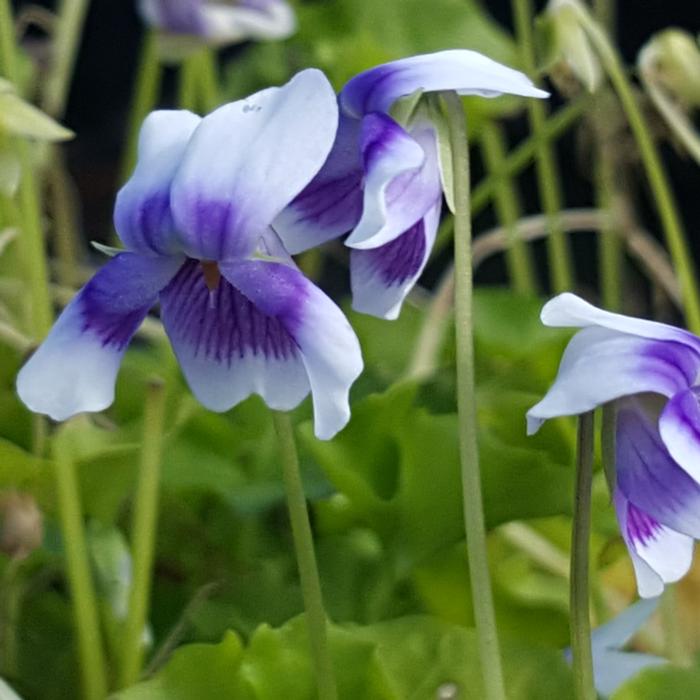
611,666
221,22
195,217
382,180
657,464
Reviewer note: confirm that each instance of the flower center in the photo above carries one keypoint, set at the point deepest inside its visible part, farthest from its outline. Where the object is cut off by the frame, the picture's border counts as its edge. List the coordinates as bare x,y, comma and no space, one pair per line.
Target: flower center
212,275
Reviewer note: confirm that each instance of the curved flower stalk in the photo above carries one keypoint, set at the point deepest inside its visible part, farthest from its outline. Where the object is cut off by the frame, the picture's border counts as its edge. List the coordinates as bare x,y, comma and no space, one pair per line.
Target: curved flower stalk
611,665
222,22
383,179
195,219
657,457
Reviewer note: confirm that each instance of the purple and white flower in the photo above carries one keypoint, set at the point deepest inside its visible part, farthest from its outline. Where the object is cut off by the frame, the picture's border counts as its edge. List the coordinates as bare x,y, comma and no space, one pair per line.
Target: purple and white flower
221,22
657,465
382,180
195,219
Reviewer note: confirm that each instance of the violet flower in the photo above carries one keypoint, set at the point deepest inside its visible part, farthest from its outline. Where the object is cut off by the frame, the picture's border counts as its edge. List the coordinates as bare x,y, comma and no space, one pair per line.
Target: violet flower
382,180
195,219
657,461
221,22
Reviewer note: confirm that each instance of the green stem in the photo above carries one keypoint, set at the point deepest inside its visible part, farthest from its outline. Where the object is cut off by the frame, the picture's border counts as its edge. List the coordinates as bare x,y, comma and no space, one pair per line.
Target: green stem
548,177
306,559
579,596
10,595
208,80
90,649
610,242
466,408
71,17
145,97
143,533
519,260
188,97
8,57
668,213
516,161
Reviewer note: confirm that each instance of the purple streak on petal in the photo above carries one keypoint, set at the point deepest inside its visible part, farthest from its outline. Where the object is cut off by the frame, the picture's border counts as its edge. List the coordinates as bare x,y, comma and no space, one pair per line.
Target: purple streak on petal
395,262
149,225
679,425
221,325
331,204
641,527
649,477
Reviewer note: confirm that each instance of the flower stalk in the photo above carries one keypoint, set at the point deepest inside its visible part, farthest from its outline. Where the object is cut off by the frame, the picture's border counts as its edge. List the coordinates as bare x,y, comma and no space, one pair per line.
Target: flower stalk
466,408
306,559
579,596
144,526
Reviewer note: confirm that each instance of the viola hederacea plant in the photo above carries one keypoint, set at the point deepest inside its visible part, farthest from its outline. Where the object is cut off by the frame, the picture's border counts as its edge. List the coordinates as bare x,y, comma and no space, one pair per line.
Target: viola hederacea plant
616,358
240,315
220,23
382,181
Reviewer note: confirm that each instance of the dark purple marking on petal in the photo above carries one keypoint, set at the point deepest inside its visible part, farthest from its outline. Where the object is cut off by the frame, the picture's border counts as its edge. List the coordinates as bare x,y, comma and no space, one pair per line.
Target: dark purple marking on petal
365,89
149,224
641,527
400,259
221,324
676,361
648,476
212,229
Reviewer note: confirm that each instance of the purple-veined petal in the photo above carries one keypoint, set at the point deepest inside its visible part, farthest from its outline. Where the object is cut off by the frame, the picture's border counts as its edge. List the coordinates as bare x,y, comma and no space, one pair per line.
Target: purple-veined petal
382,277
568,310
174,16
227,347
331,204
75,368
600,364
648,476
659,554
679,425
247,161
142,214
466,72
327,345
248,19
402,180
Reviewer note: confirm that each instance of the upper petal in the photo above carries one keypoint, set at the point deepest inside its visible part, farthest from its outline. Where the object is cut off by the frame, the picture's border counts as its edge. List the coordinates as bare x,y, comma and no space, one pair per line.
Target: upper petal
679,425
247,161
142,214
600,364
568,310
175,16
331,204
381,278
649,477
327,344
248,19
402,179
75,368
467,72
659,554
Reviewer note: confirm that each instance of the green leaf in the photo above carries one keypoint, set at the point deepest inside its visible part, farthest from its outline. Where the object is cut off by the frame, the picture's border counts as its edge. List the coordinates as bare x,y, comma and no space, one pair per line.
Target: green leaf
19,118
10,172
665,683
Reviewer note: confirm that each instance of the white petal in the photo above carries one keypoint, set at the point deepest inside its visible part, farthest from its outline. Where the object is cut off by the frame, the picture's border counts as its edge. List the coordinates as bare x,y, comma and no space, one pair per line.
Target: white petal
679,425
142,214
262,19
75,368
247,161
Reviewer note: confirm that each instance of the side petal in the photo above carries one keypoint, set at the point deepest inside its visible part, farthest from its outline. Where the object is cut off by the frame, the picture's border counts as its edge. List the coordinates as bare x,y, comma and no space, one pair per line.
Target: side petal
467,72
615,633
568,310
174,17
248,19
227,347
331,204
142,214
679,425
648,476
381,278
75,368
600,364
659,554
327,345
402,180
247,161
613,668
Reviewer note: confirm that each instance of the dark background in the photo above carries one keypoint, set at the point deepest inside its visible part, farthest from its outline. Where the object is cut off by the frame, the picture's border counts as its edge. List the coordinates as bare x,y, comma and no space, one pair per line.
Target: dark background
105,72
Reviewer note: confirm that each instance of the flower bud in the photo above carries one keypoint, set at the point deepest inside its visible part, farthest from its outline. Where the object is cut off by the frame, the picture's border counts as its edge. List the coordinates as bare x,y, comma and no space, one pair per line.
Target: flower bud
21,524
671,59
